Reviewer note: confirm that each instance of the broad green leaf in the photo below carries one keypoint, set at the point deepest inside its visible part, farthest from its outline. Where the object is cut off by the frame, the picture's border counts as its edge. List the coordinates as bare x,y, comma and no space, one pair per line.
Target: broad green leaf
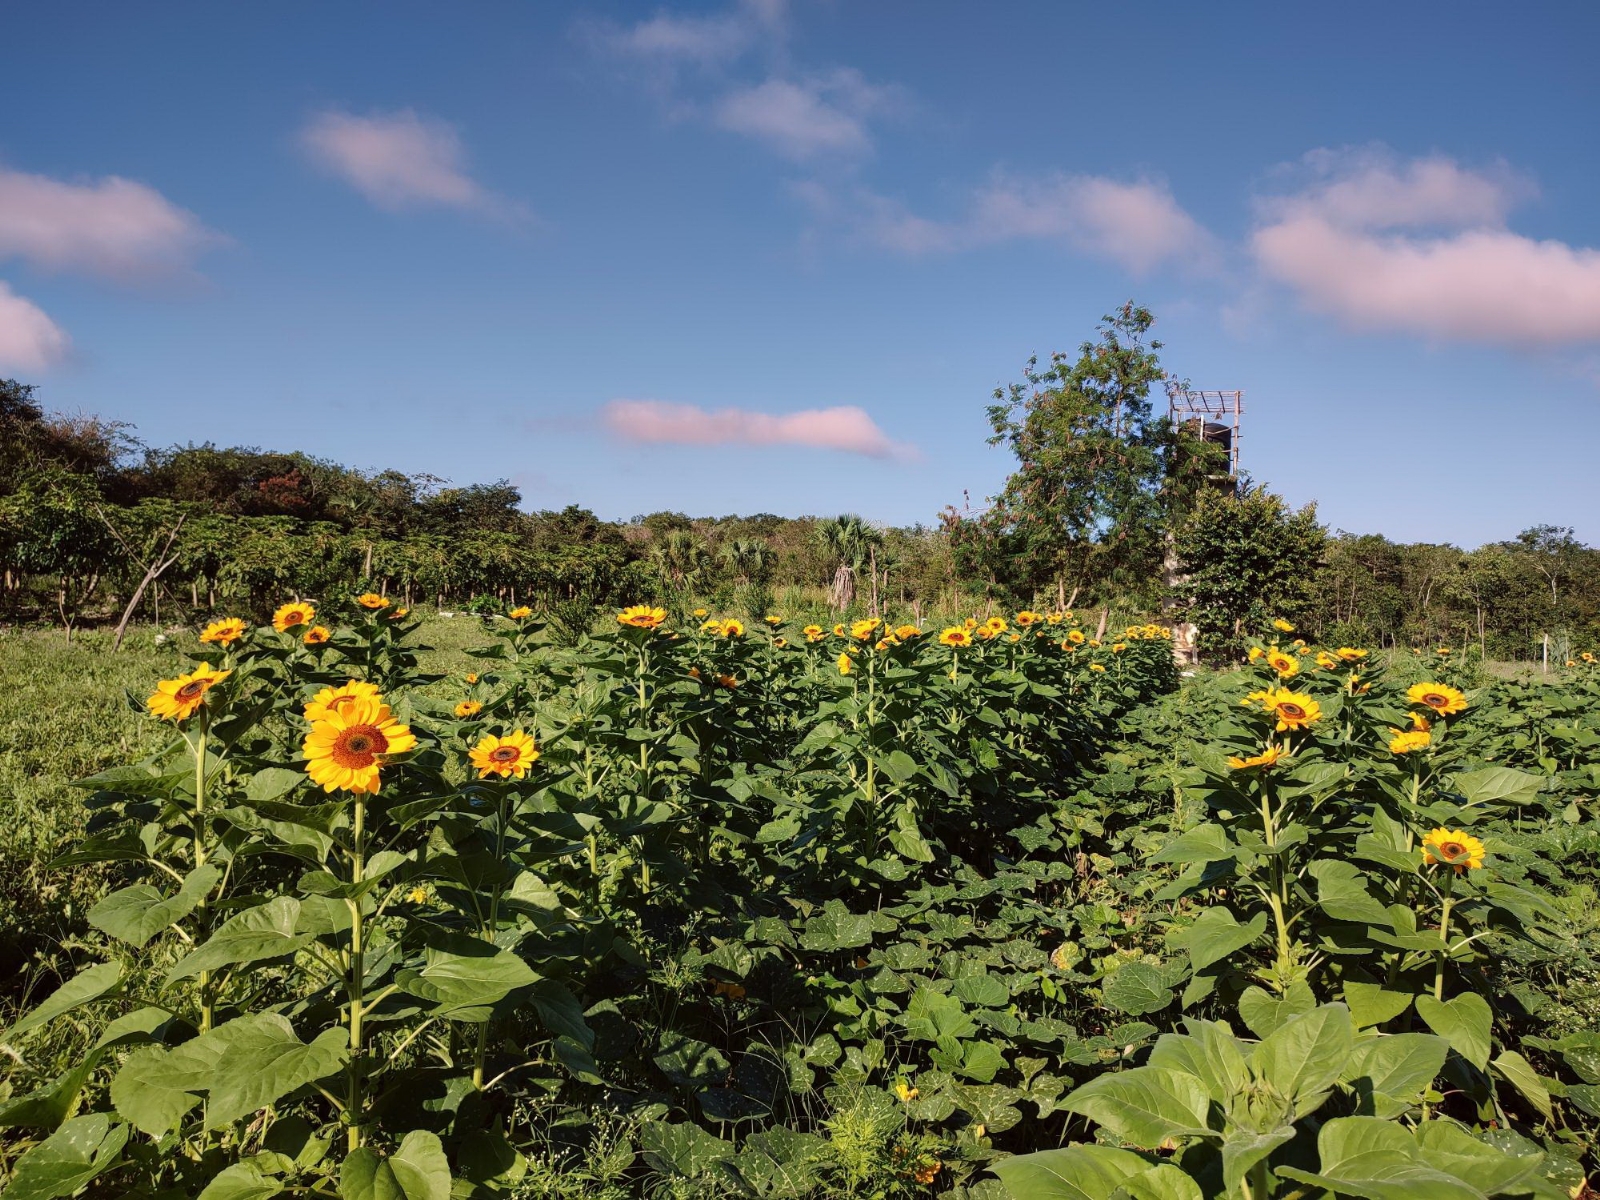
932,1016
465,987
1465,1022
1136,989
985,991
1498,785
271,783
690,1063
1398,1067
265,1061
136,914
1519,1073
1145,1106
418,1170
1210,1053
82,988
682,1149
1262,1012
1304,1056
1208,843
155,1086
981,1061
1079,1172
1448,1147
1215,935
1163,1182
46,1107
1378,1160
1342,893
256,934
246,1180
1242,1150
835,928
1373,1004
69,1158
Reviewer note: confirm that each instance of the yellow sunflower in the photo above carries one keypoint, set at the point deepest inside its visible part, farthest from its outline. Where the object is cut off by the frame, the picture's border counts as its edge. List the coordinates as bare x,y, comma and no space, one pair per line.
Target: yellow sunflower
1266,758
838,630
865,628
316,635
469,708
505,756
471,677
1254,653
1096,667
1282,626
732,628
345,750
642,616
727,681
906,632
1451,848
1028,617
400,614
1294,710
1282,663
330,701
955,636
1326,661
814,633
773,620
1076,637
292,614
700,612
179,699
1118,647
1053,618
845,665
1350,653
1405,741
780,643
225,631
372,600
996,624
1441,697
521,613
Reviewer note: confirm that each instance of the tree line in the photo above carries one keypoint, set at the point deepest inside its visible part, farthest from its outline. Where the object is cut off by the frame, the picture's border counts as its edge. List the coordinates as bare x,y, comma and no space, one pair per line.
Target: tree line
1109,506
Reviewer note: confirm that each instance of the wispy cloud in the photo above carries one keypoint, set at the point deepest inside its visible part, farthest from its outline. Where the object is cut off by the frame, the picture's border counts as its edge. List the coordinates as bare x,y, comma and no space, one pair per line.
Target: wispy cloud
1421,246
113,227
672,38
29,340
801,119
1138,224
848,429
400,160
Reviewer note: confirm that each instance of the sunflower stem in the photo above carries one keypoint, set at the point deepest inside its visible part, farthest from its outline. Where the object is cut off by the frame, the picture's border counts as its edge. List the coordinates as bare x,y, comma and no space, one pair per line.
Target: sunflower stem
356,980
208,999
1444,934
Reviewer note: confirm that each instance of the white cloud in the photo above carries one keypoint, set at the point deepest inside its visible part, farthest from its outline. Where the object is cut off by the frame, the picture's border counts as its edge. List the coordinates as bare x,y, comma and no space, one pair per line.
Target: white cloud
112,227
29,340
400,160
1422,247
802,119
1139,225
668,38
846,428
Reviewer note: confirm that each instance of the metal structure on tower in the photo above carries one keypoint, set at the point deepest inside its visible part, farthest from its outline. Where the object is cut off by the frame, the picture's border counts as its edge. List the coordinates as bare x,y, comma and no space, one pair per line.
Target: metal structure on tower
1213,416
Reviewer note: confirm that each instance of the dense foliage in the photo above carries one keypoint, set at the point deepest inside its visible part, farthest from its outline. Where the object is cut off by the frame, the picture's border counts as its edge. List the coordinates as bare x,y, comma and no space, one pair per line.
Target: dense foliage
701,906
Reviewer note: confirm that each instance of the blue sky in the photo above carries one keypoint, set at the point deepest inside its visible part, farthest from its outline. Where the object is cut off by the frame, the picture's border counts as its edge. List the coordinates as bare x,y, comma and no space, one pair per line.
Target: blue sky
767,256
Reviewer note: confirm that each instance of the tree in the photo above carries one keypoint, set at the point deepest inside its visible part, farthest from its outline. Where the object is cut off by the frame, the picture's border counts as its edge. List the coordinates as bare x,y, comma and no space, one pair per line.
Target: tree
748,558
1097,475
1247,558
849,543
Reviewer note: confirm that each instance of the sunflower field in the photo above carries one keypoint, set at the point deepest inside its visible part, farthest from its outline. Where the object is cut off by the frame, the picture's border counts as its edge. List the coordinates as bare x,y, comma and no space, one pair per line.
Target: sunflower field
707,906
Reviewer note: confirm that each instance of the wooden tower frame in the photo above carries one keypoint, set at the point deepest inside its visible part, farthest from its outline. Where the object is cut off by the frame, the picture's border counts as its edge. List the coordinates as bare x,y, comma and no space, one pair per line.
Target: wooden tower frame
1218,415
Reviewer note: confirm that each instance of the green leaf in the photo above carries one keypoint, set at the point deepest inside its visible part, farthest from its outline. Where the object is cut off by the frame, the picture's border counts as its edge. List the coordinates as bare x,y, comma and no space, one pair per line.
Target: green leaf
136,914
1144,1106
155,1086
932,1016
1448,1147
46,1107
1304,1056
81,989
256,934
682,1149
1398,1067
985,991
1136,989
69,1158
1215,935
1163,1182
1243,1150
835,928
1498,785
465,986
1210,1053
690,1063
418,1170
246,1180
1517,1071
1373,1004
264,1060
1262,1012
1208,843
1342,893
1378,1160
271,783
1465,1022
1080,1172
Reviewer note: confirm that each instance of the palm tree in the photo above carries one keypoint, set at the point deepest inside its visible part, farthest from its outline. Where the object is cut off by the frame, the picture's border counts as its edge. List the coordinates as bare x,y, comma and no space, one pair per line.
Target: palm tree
850,544
681,558
749,558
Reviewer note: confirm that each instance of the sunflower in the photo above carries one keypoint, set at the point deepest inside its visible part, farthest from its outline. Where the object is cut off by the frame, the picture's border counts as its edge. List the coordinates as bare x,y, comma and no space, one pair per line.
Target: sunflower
773,620
955,636
471,677
1266,758
814,633
1350,653
1405,741
1028,617
1282,626
179,699
1053,618
469,708
780,643
1096,667
1118,647
864,629
372,600
1587,656
1254,653
1326,661
330,701
292,614
504,756
1282,663
996,625
642,616
1451,848
346,749
906,632
521,613
701,612
1094,641
225,631
1076,637
727,681
1066,645
1418,721
1294,710
732,627
400,614
970,623
1441,697
316,635
838,630
845,665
